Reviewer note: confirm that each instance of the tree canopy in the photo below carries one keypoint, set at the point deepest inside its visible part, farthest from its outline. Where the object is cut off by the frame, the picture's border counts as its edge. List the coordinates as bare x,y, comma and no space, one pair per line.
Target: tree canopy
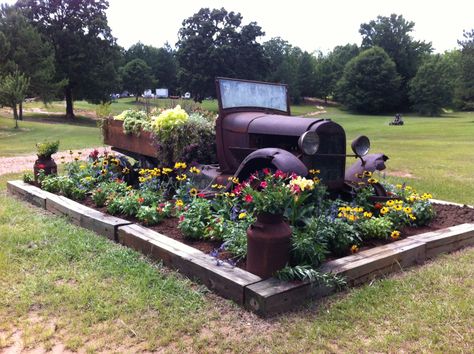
370,82
215,43
137,77
13,88
84,49
465,89
393,34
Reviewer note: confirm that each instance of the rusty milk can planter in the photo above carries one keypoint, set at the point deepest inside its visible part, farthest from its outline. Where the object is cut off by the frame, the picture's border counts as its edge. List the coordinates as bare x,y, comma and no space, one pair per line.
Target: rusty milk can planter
268,244
45,162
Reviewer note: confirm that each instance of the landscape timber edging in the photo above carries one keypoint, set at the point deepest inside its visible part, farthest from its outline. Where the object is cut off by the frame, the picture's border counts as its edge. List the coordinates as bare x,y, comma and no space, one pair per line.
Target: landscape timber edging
265,297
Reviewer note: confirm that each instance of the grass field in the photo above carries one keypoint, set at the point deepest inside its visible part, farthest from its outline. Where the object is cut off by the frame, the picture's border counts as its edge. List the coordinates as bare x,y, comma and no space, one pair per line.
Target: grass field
65,287
62,285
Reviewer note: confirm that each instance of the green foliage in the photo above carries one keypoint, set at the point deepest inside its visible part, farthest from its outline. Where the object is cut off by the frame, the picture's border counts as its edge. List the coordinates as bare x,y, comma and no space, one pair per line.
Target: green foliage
214,43
106,191
137,77
380,228
308,246
26,49
370,83
134,121
13,88
28,177
235,237
86,55
103,110
160,60
194,220
307,273
465,88
432,87
392,34
47,148
424,212
154,214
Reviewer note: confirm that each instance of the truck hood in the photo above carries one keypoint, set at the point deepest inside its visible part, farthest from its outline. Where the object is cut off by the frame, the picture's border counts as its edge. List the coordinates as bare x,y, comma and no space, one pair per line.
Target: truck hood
280,125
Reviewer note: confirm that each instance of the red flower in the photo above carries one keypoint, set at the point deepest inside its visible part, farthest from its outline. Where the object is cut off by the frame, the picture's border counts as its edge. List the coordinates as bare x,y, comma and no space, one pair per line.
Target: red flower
248,198
266,171
378,206
293,175
295,188
94,154
201,195
181,218
141,200
41,166
280,174
252,177
263,184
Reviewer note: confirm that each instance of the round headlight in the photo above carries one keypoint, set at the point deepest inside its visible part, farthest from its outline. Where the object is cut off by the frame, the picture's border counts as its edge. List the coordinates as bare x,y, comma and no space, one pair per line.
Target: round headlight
309,142
361,145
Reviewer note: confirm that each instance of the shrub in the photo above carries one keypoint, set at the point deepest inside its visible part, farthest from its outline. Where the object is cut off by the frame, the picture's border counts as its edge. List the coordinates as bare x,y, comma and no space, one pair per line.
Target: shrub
195,219
375,228
47,148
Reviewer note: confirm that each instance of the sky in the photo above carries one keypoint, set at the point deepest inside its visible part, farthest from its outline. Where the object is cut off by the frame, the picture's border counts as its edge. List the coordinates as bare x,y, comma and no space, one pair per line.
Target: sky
311,25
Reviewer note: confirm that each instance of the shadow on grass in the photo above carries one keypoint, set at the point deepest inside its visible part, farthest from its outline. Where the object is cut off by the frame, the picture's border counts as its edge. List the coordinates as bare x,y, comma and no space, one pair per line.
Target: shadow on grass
60,118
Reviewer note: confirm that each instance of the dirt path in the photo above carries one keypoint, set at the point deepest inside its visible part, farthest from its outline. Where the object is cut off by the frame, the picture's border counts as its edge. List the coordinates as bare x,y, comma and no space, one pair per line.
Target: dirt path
25,162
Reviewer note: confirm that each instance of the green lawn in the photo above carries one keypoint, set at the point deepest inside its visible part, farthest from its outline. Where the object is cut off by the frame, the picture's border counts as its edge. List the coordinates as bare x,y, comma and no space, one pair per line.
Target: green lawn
61,284
22,141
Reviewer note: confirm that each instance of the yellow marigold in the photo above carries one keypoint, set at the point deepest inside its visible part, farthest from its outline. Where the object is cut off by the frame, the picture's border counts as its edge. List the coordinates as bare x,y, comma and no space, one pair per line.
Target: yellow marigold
372,180
398,207
105,163
384,210
193,192
352,217
179,203
354,249
314,172
234,180
399,186
426,196
395,234
195,170
316,180
166,170
367,214
179,165
367,174
181,177
407,210
141,171
412,217
242,216
358,209
390,203
126,170
217,186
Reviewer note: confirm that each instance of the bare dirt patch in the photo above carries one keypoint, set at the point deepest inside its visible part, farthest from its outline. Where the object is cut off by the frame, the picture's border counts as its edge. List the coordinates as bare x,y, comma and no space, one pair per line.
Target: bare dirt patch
25,162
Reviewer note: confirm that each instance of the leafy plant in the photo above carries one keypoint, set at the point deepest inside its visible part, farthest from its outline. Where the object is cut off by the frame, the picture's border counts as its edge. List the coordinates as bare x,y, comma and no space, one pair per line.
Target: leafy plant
47,148
307,273
153,214
195,219
375,228
28,177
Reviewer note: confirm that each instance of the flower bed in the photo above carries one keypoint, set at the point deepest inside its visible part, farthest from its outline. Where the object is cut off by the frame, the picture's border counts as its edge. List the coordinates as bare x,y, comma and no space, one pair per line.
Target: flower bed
322,228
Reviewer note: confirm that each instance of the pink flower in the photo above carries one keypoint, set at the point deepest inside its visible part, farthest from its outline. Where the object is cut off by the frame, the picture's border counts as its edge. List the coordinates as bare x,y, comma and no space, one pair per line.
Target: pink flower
266,171
248,198
295,188
263,184
181,218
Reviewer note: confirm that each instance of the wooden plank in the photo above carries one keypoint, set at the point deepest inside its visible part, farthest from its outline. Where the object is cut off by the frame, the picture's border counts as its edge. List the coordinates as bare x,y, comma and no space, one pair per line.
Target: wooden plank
273,296
446,240
84,216
27,192
224,279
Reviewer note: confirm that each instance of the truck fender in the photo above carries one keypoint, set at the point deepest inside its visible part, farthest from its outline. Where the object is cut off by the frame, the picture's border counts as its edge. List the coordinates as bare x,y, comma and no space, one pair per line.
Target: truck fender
370,163
273,158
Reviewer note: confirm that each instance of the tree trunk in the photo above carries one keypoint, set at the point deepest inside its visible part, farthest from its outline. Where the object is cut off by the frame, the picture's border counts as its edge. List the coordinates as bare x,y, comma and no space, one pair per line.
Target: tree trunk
136,98
20,115
15,116
69,103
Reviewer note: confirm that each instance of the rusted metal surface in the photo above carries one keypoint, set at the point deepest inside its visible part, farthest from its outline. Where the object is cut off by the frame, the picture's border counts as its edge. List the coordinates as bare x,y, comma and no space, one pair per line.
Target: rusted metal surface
268,245
142,144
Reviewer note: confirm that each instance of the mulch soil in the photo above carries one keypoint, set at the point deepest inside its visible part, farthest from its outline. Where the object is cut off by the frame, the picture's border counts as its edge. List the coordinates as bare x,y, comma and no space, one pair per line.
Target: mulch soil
446,216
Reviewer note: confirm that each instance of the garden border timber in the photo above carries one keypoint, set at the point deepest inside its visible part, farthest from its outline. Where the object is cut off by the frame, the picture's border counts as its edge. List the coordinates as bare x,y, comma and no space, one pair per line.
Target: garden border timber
265,297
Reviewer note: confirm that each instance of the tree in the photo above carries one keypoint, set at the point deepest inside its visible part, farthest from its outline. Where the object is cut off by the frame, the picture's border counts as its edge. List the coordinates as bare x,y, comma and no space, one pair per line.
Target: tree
331,67
432,89
137,77
465,89
85,51
305,75
13,88
27,51
370,82
161,61
283,61
215,43
393,35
